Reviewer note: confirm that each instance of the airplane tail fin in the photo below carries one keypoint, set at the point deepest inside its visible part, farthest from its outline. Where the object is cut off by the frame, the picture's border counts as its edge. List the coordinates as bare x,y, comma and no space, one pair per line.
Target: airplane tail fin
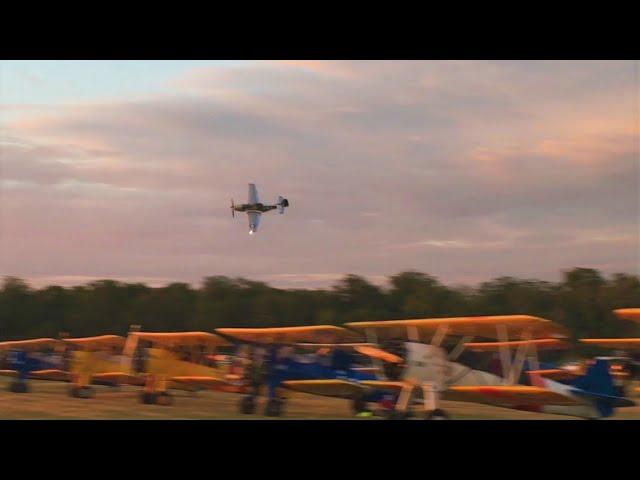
282,204
597,386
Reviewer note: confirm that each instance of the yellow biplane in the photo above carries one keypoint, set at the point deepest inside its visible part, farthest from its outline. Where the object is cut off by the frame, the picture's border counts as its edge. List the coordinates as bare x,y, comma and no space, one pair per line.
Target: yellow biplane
179,360
63,360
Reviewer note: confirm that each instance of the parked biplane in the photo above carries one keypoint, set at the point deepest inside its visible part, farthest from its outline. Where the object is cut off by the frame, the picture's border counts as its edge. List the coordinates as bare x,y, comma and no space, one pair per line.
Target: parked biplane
60,360
156,357
624,364
427,371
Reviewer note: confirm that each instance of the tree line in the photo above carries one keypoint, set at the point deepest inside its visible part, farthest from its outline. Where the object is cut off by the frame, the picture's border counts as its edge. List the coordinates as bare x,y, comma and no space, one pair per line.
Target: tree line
582,301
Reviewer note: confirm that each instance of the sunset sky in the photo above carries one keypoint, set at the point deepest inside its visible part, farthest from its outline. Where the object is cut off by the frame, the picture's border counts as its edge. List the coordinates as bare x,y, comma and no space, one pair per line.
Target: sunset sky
465,170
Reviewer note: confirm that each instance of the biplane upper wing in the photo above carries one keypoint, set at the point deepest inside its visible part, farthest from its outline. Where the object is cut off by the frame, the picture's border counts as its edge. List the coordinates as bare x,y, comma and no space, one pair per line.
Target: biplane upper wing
614,343
339,388
31,345
97,343
632,314
174,339
507,395
512,326
312,334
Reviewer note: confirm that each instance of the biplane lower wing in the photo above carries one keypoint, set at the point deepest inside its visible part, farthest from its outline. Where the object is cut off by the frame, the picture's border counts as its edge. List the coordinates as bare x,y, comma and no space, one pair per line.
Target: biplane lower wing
48,374
119,378
338,388
201,382
508,395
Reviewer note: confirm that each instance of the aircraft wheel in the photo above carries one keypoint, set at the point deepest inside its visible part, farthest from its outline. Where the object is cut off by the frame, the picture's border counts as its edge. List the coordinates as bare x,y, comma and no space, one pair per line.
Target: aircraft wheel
437,414
358,404
18,386
398,415
81,392
164,398
148,398
248,405
274,407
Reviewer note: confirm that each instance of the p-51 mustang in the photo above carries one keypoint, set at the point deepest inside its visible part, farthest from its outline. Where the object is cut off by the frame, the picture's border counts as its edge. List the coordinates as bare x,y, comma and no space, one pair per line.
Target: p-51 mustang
426,373
255,208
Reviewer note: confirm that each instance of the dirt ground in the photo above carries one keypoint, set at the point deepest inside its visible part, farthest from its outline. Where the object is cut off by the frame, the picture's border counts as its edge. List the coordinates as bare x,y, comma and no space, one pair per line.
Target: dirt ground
49,400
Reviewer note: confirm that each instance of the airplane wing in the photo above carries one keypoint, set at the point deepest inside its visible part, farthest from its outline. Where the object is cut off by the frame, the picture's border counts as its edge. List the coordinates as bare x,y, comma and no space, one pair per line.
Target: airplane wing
253,194
31,345
100,342
632,314
291,334
340,388
200,381
615,343
515,326
172,339
119,378
254,221
49,374
507,395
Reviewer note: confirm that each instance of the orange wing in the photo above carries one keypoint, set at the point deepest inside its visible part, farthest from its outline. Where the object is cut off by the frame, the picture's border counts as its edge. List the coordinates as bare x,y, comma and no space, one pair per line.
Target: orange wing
632,314
31,345
340,388
514,325
503,395
313,334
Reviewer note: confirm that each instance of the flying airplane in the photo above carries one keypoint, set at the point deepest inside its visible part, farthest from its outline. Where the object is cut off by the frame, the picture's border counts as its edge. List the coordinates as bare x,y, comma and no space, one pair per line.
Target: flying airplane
428,373
255,208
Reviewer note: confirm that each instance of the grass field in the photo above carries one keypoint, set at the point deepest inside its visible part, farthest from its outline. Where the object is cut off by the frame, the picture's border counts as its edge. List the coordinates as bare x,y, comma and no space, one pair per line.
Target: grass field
49,400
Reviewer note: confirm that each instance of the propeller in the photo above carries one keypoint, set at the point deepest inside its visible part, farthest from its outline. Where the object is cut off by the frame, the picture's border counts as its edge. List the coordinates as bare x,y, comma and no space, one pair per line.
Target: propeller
233,211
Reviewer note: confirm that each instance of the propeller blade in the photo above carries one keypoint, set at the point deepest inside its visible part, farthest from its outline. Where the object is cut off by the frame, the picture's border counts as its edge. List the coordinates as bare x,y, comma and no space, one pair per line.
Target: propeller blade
233,211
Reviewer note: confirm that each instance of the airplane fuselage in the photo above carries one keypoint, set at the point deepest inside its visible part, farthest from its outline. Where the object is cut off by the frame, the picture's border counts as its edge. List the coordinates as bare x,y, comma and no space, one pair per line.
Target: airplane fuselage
254,207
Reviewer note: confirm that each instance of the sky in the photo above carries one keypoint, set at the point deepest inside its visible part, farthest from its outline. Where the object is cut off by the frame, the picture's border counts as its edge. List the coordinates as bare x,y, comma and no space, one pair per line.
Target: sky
466,170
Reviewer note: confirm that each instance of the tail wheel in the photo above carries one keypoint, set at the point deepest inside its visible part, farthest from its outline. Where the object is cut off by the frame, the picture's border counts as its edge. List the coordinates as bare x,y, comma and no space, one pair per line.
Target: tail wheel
18,386
248,405
437,414
274,407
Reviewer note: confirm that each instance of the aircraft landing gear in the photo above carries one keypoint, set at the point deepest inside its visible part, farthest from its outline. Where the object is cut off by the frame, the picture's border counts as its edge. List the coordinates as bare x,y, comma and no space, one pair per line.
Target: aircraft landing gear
148,398
437,414
274,407
358,404
248,405
156,398
18,386
398,415
81,392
